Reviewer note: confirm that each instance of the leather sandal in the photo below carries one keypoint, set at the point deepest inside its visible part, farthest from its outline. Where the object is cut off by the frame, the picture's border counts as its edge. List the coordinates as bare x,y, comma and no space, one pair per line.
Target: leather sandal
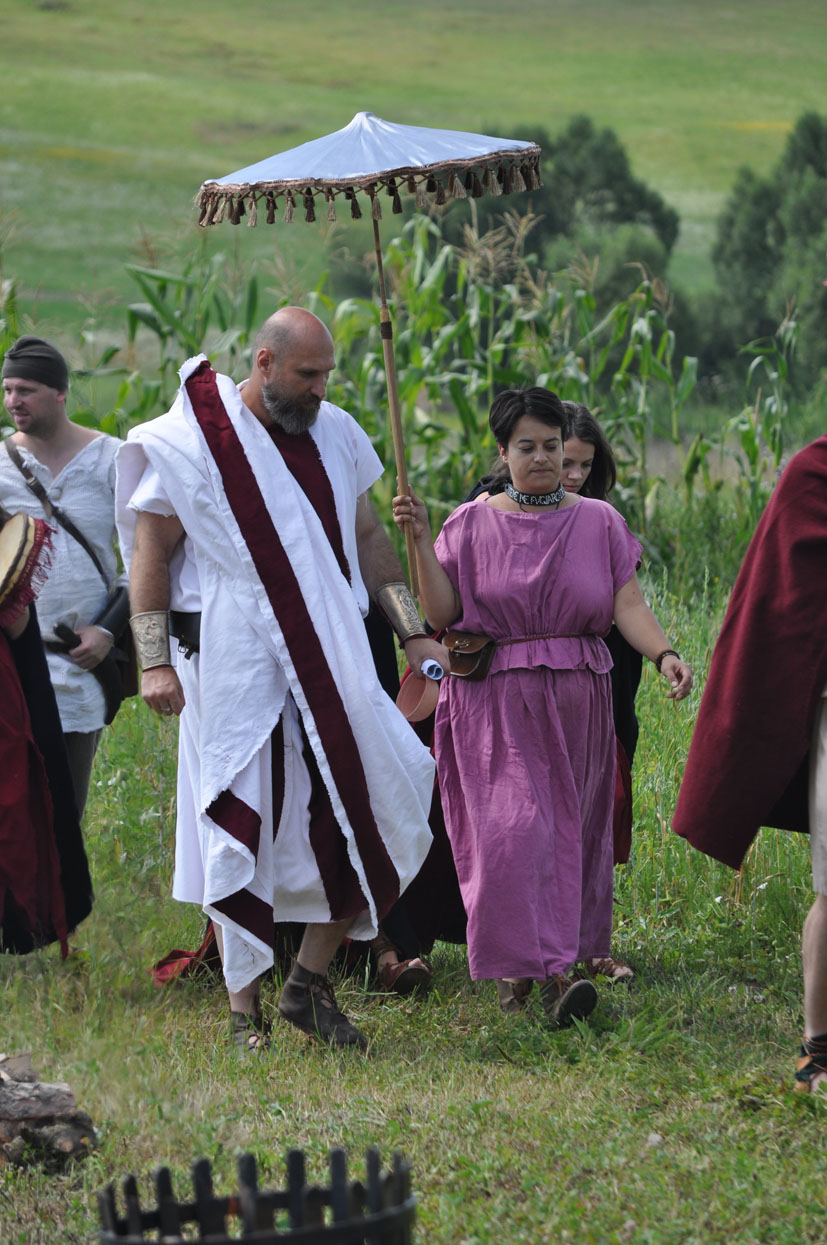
610,968
406,976
811,1066
248,1034
311,1006
565,1000
513,994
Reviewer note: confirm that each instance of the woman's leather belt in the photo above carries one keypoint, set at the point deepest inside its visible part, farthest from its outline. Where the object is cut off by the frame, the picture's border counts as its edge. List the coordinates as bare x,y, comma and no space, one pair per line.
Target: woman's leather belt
549,635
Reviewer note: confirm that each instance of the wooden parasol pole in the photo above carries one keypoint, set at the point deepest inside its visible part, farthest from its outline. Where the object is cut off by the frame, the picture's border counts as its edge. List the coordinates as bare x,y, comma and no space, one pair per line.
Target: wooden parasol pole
386,333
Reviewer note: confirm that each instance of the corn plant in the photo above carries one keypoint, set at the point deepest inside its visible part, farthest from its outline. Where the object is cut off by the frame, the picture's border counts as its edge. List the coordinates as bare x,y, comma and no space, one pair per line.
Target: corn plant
760,427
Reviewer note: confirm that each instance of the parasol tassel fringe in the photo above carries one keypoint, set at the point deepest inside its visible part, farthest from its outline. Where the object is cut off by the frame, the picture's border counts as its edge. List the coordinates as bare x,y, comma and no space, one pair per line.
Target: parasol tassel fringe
205,207
289,208
421,201
491,182
253,213
309,207
518,182
355,206
456,188
440,194
476,188
534,179
331,206
508,184
394,193
270,200
375,206
220,212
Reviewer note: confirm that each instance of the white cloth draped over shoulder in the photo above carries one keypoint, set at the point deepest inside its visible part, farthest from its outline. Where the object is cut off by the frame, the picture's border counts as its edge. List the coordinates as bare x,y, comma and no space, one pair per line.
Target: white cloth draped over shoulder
247,674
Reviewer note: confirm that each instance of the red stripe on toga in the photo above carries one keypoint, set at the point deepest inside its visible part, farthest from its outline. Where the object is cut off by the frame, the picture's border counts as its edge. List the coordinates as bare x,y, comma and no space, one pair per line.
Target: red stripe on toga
251,913
304,462
237,819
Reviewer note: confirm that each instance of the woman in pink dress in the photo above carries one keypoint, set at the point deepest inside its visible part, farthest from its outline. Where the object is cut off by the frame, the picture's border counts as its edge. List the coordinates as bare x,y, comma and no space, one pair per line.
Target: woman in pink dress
526,756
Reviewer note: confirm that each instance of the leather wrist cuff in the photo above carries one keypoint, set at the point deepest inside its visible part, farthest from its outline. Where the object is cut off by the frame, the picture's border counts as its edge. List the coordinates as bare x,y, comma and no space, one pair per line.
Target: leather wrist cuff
151,633
399,608
667,652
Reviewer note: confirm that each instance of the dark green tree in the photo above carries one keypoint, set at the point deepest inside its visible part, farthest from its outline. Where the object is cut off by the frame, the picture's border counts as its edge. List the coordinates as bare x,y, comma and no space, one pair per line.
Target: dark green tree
771,251
587,185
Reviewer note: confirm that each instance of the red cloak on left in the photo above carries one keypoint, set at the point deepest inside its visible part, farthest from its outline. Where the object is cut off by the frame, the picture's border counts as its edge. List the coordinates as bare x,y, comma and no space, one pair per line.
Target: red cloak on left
748,761
31,898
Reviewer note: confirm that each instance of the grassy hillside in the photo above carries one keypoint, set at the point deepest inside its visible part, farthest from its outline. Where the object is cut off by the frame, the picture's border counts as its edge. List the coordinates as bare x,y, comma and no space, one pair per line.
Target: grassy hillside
112,113
669,1119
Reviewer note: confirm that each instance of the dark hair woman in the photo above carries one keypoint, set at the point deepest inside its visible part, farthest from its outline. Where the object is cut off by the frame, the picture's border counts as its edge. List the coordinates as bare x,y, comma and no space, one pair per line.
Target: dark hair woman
589,469
588,461
526,756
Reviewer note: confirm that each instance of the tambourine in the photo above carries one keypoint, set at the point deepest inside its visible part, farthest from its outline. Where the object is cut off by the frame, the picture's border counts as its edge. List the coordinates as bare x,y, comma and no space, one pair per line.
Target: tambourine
24,564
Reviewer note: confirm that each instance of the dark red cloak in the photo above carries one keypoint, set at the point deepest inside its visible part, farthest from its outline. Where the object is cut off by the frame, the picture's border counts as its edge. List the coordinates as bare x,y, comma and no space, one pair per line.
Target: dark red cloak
31,899
748,761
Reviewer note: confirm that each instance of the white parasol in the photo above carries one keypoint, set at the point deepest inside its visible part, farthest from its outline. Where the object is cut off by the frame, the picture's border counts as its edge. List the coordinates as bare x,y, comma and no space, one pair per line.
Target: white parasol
365,158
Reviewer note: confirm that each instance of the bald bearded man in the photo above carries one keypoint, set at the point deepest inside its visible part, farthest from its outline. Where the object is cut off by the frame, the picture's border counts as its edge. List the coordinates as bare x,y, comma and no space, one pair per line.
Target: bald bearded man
303,794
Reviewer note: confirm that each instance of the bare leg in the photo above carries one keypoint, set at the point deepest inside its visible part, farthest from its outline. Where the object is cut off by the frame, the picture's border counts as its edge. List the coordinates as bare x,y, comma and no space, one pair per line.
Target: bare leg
814,958
319,945
811,1068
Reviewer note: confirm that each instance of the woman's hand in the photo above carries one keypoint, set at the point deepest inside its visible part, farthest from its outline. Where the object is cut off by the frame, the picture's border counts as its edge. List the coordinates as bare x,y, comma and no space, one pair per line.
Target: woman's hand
411,510
679,675
421,648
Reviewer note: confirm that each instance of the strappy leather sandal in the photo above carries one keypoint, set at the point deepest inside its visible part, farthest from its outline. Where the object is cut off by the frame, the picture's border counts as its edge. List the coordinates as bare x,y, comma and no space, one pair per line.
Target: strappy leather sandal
811,1066
406,976
513,994
248,1034
565,999
610,968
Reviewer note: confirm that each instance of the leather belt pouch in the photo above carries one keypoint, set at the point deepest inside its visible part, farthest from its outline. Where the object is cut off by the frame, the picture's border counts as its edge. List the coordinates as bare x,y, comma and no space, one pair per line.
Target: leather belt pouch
471,654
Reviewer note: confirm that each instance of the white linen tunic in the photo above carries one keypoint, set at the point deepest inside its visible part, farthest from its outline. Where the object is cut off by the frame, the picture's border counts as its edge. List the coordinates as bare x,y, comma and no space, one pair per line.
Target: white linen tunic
74,592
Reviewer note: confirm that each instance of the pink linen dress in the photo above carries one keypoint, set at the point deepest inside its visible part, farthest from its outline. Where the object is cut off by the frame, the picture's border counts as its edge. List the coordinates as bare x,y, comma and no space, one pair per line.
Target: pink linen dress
526,757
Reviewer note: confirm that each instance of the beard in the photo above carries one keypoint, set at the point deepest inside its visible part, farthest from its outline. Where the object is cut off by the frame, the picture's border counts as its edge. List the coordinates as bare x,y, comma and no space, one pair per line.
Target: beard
294,415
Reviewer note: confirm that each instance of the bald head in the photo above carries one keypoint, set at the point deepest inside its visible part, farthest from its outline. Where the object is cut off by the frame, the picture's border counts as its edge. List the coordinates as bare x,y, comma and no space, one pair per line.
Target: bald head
292,361
289,329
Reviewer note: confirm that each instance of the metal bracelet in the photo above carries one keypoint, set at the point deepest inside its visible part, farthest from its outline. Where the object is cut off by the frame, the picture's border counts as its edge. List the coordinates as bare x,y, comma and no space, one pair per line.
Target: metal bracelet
399,608
151,632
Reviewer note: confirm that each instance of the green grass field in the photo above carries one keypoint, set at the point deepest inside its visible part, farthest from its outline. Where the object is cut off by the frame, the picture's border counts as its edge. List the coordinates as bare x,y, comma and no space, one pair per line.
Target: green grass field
113,113
668,1120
